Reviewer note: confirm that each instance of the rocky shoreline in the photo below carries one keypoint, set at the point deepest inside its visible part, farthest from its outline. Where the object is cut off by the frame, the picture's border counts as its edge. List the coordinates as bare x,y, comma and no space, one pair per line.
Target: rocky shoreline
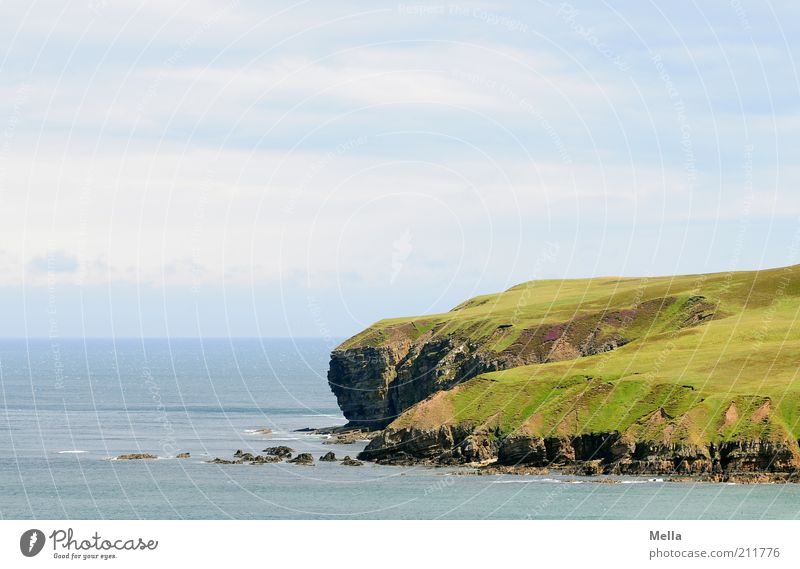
603,458
599,454
279,454
478,451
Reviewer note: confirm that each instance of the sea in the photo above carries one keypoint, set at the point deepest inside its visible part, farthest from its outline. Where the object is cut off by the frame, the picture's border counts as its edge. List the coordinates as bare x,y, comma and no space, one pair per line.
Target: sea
70,406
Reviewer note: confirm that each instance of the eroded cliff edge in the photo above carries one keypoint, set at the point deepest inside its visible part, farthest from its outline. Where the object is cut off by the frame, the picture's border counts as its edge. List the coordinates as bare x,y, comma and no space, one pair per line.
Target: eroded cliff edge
629,376
386,369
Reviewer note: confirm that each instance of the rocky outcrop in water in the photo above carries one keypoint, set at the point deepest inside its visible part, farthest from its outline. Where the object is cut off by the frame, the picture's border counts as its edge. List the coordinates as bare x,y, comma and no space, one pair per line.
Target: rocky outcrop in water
279,451
137,456
304,458
240,457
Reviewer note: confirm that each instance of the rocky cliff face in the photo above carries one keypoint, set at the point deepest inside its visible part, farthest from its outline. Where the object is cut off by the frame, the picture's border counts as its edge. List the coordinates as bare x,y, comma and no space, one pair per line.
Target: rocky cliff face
360,378
374,384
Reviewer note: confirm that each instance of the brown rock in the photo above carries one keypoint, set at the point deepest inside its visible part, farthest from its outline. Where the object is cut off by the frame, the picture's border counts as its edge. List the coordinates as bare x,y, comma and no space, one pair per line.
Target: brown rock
268,459
224,461
280,451
304,458
137,456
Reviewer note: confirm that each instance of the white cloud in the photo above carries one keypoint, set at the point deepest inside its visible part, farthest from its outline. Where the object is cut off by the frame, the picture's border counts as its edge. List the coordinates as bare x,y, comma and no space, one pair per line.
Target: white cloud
202,147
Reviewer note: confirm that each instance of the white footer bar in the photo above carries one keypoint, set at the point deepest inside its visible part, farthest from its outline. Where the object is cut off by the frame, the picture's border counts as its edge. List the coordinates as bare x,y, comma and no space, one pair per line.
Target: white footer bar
399,544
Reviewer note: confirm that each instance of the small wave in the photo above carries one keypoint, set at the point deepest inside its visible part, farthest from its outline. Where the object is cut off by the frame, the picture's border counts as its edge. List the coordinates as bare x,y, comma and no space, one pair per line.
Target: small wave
321,415
529,481
648,481
284,439
73,451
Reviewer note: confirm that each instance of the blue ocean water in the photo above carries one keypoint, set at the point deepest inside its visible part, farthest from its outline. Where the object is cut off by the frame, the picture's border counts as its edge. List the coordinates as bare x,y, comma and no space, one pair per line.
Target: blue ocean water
68,406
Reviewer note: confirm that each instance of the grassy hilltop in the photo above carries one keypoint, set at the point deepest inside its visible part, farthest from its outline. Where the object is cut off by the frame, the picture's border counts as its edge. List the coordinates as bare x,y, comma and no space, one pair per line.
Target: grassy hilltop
694,359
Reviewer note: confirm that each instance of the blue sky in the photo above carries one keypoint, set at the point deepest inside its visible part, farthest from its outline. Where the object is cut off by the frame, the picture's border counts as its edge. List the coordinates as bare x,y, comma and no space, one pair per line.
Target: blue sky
306,168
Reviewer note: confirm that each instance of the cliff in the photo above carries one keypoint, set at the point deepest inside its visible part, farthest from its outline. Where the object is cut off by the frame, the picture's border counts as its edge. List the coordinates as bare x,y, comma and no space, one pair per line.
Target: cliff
694,375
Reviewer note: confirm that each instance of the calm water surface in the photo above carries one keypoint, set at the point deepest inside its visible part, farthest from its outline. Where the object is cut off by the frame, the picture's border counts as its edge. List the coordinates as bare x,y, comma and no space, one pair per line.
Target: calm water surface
70,406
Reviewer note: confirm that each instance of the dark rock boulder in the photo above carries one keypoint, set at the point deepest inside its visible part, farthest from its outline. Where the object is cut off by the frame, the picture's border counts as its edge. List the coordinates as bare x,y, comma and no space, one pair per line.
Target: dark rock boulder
262,459
328,457
137,456
347,461
279,451
304,458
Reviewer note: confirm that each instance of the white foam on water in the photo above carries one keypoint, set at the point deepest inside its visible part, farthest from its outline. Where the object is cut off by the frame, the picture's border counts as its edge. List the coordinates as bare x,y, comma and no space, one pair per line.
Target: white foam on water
648,481
73,451
530,481
321,415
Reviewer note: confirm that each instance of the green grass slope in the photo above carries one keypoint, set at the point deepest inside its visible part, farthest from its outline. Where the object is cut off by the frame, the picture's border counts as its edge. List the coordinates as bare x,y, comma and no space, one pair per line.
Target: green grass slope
733,376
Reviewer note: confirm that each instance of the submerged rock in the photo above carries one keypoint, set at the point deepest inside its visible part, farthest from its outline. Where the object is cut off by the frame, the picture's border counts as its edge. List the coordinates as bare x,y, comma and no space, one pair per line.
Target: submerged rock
328,457
224,461
183,455
347,461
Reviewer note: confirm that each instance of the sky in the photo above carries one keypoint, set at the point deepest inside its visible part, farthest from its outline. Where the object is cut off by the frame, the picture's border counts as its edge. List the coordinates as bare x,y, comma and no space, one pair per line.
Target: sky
239,168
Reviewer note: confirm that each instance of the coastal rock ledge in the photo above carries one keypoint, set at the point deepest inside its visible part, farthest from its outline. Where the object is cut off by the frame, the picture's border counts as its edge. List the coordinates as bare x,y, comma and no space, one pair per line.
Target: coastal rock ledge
591,454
